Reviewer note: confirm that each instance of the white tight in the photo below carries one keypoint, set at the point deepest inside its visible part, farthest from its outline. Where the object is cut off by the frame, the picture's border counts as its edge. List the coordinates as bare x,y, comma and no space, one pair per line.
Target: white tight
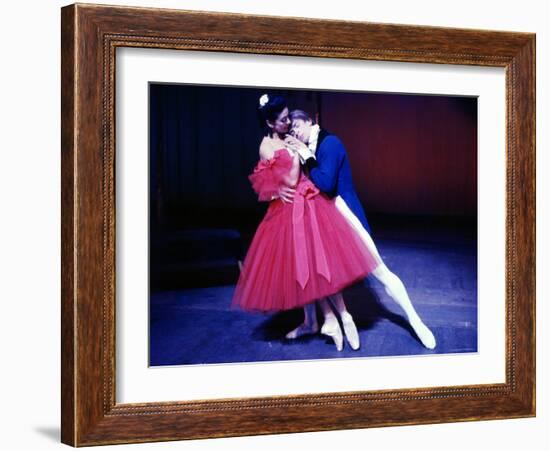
392,284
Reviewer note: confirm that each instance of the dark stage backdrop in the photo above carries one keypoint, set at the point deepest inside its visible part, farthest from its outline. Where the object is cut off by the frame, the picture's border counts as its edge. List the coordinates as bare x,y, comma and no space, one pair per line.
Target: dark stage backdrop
203,145
409,154
412,155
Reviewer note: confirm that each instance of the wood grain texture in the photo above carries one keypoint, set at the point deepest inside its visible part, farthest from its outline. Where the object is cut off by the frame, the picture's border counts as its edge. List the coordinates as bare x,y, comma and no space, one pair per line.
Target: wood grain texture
68,239
90,36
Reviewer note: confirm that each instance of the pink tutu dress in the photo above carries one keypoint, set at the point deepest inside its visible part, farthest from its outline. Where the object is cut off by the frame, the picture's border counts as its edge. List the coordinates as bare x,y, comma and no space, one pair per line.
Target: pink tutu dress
302,251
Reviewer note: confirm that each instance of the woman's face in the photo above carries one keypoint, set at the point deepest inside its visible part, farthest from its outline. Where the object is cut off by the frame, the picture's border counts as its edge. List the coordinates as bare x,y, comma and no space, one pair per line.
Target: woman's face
281,124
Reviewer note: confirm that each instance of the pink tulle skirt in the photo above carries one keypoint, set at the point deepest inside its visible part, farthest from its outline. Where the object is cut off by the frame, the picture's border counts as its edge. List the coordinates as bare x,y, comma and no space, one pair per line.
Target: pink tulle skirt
301,252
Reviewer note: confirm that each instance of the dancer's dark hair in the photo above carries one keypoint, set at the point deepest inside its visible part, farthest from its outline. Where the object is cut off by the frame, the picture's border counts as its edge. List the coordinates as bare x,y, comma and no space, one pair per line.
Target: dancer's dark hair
269,108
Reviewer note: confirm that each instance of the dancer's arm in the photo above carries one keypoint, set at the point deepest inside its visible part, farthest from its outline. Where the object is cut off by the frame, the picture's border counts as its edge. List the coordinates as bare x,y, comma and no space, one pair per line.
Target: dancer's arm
285,191
266,150
291,179
323,171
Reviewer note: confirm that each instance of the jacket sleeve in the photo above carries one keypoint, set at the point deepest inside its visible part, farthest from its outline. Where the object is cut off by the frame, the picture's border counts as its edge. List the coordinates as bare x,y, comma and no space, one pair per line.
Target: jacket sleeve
325,173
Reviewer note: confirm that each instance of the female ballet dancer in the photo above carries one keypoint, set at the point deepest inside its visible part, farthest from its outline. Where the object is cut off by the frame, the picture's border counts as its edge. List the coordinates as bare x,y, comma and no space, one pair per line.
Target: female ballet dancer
302,251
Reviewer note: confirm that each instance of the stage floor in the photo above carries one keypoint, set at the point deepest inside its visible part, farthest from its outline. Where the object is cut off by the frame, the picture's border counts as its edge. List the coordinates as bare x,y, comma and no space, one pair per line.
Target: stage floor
439,270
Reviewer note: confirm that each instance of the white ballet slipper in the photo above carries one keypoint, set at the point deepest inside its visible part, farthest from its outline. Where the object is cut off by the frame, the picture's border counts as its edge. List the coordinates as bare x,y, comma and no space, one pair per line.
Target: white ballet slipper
350,331
332,330
424,334
302,329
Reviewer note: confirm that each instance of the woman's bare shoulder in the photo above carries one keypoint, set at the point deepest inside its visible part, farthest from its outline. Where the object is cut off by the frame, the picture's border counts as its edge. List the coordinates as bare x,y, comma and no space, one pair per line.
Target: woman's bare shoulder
267,149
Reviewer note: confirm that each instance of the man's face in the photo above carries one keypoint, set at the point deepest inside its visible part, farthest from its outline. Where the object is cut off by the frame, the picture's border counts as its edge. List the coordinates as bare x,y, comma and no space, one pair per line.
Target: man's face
301,129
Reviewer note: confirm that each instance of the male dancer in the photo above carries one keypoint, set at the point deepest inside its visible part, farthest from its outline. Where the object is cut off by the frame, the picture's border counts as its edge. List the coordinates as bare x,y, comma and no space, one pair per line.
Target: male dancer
326,159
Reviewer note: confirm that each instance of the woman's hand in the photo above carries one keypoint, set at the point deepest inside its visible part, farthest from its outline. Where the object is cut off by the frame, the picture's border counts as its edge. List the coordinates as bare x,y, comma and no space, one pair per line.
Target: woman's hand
285,193
299,147
294,143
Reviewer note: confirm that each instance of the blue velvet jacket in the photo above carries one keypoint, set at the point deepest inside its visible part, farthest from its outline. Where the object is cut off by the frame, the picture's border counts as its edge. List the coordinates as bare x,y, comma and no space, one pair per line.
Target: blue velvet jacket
332,173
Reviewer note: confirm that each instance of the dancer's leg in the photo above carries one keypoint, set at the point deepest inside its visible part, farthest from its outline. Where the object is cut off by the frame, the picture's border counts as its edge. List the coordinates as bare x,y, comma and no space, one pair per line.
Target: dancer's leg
392,284
350,330
331,327
309,326
358,227
396,290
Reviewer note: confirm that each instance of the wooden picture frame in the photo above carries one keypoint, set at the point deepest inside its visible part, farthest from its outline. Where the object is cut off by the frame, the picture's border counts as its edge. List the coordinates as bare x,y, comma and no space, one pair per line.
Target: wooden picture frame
90,36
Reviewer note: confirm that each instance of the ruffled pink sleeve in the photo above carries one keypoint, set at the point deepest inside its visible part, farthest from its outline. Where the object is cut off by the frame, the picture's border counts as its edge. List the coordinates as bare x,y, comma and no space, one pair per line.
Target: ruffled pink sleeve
269,174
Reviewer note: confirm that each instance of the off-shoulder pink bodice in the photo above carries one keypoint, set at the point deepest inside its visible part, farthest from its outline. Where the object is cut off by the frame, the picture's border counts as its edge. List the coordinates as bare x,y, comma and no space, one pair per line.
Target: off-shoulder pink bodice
270,174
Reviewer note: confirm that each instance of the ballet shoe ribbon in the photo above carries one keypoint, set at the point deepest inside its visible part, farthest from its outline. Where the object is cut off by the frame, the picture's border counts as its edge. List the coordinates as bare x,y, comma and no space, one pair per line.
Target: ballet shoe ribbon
307,190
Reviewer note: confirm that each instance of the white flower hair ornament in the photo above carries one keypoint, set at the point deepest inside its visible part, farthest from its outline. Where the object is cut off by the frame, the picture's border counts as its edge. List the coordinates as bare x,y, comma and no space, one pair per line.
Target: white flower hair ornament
263,100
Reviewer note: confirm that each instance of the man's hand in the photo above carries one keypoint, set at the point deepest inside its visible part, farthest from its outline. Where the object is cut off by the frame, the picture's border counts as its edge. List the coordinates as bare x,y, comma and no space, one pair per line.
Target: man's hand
286,194
298,146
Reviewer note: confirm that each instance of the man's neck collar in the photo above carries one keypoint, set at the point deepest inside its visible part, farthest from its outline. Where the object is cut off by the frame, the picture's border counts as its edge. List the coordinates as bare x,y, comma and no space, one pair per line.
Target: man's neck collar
314,134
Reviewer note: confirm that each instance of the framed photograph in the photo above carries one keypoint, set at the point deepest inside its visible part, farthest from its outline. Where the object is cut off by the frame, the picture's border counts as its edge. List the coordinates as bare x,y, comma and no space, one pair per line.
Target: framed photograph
268,230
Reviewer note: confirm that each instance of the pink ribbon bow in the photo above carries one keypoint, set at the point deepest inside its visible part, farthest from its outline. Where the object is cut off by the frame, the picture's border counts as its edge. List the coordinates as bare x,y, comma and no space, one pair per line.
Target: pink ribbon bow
307,190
